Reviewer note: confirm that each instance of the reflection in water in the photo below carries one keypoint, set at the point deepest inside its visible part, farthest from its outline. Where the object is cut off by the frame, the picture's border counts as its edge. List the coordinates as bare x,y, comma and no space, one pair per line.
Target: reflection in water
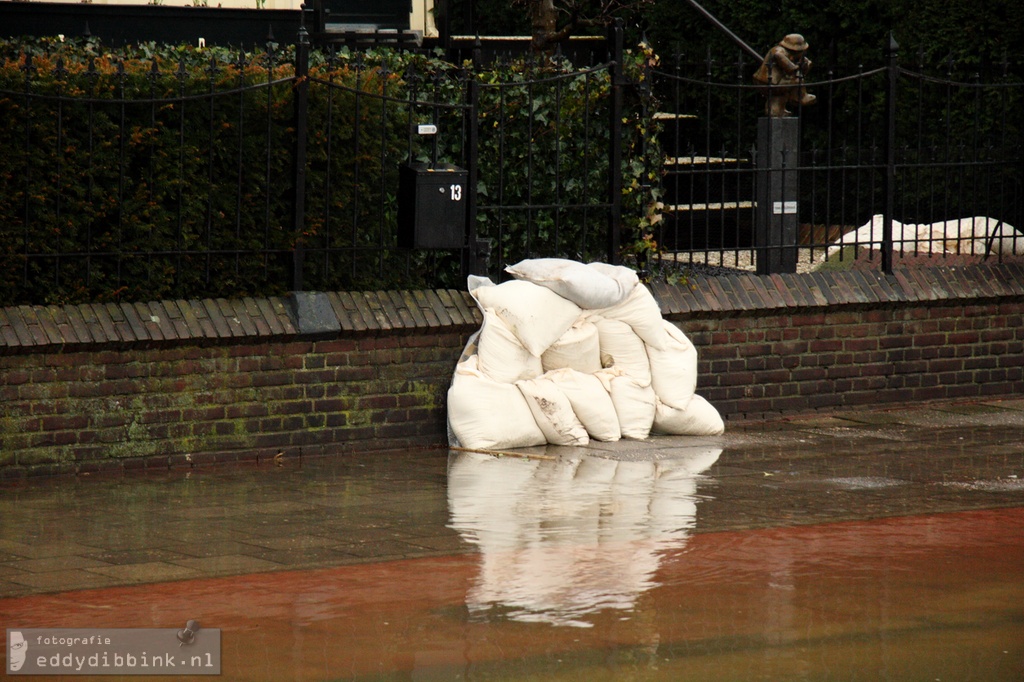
561,539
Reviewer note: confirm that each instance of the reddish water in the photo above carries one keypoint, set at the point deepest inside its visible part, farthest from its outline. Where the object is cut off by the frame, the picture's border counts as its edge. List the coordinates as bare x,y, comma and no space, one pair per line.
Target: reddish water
916,598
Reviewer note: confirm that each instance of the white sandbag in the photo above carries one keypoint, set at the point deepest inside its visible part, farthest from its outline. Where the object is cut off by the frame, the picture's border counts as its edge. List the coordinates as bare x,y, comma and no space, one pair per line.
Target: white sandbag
578,348
622,348
1006,240
641,312
869,236
674,369
699,418
470,348
484,414
634,404
586,287
501,357
964,236
474,282
552,412
591,403
906,237
626,277
536,315
933,238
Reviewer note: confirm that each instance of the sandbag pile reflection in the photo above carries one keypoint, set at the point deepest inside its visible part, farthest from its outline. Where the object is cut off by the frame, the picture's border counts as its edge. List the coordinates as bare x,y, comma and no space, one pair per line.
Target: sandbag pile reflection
563,539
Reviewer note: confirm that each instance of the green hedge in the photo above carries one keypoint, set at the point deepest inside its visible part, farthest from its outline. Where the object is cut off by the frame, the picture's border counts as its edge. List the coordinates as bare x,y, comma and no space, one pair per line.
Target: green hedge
166,172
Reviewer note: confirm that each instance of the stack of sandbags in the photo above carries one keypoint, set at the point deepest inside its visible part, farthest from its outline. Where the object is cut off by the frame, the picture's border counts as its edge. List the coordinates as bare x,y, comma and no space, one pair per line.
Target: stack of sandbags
569,352
978,236
981,236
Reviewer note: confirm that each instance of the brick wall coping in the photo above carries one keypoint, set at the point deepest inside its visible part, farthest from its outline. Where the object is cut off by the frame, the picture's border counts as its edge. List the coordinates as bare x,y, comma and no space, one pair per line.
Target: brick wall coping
701,296
47,328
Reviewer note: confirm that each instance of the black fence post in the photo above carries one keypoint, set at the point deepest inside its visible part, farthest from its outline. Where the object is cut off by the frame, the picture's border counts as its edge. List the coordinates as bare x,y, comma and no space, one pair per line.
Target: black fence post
777,191
617,79
301,94
28,69
479,250
891,53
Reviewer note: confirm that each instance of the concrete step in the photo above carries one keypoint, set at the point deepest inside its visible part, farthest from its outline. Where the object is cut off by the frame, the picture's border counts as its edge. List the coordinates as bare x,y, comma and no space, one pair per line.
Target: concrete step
712,206
677,131
693,163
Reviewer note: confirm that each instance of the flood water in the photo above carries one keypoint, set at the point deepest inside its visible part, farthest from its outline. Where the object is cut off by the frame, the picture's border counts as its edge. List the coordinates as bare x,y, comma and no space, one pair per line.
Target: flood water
701,562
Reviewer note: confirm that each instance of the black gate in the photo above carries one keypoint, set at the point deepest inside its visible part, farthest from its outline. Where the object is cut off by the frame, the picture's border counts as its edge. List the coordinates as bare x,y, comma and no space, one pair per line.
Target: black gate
882,153
183,174
270,172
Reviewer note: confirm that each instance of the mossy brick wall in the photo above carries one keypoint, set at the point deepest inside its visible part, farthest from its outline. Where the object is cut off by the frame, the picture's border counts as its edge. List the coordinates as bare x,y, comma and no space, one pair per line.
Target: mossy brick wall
182,383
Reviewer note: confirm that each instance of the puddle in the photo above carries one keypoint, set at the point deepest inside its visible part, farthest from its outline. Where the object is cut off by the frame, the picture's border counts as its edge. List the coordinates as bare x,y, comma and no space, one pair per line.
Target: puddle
617,550
865,482
759,555
848,433
562,540
999,485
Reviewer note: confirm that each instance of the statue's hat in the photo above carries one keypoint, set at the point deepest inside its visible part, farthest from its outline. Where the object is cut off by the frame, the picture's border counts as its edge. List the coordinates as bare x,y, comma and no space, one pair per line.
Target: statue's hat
794,42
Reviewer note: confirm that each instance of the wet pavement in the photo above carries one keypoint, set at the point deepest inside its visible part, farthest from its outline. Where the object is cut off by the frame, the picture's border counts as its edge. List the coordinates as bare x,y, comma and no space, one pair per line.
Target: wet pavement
82,532
570,539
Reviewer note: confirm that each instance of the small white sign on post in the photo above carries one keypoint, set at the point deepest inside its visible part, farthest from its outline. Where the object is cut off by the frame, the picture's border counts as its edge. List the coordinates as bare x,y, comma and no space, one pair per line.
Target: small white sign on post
784,207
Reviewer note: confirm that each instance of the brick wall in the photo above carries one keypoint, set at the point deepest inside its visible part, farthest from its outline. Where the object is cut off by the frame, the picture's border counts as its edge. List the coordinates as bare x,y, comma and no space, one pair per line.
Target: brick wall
785,344
777,364
178,383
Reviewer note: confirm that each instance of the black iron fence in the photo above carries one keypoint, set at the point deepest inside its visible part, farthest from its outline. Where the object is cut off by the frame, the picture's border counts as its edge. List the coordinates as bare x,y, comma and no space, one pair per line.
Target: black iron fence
184,173
180,174
889,164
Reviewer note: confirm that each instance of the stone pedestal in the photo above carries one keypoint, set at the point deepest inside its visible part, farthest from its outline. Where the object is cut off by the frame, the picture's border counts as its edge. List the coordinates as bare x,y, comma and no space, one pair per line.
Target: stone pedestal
777,192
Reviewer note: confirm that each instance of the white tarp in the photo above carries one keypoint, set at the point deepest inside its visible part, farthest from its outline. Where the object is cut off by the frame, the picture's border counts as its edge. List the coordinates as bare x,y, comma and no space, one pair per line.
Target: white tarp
964,236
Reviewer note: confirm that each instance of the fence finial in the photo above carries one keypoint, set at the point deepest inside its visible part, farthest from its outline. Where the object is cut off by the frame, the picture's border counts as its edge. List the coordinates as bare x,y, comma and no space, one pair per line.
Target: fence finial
303,34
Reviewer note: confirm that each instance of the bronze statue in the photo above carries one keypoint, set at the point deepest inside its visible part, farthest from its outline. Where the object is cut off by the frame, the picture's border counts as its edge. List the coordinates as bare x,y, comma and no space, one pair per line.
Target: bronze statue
782,73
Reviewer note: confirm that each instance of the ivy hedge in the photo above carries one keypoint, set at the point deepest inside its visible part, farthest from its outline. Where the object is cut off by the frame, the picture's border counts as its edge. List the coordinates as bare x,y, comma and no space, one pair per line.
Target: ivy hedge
163,171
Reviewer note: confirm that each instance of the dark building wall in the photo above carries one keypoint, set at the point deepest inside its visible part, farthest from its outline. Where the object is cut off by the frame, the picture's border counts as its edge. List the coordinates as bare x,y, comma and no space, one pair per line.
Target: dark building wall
122,24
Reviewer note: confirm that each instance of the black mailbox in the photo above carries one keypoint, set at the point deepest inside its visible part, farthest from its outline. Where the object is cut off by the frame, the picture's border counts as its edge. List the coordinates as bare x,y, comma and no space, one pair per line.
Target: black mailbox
432,206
